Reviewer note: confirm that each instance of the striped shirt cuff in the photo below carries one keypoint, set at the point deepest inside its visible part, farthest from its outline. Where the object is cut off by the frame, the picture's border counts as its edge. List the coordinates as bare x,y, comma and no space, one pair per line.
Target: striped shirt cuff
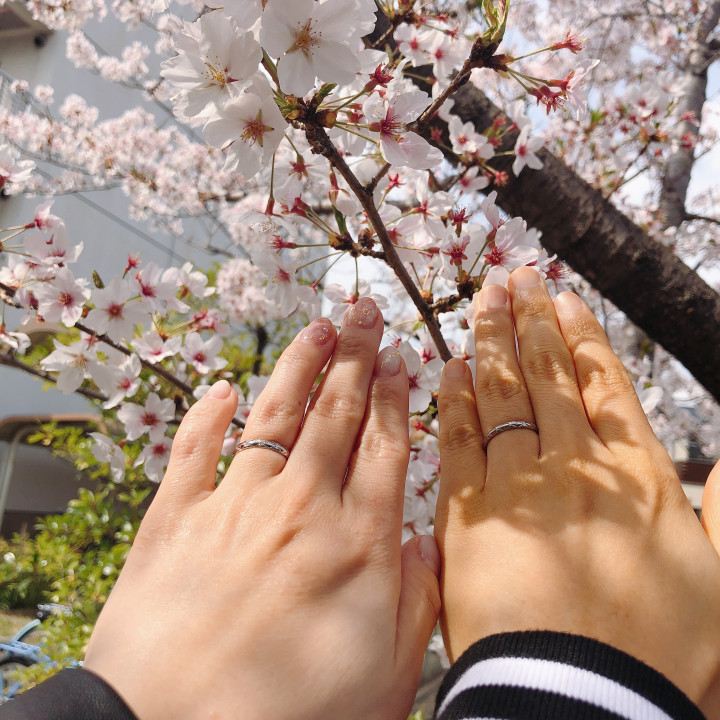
542,675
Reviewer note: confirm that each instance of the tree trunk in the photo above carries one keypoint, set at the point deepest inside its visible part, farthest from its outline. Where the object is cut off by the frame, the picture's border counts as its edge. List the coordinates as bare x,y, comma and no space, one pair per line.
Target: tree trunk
650,284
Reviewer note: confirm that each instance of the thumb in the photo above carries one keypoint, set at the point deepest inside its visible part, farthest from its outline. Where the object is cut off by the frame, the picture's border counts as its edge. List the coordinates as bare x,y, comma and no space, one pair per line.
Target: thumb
419,601
711,507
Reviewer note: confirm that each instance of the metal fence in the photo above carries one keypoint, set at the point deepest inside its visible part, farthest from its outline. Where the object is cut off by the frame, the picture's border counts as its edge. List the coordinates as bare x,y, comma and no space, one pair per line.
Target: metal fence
10,101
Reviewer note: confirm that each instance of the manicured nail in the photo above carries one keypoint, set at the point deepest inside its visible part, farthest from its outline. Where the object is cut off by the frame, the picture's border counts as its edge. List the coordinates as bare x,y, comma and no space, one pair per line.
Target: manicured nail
318,332
525,278
455,368
363,314
388,362
429,553
493,297
220,390
568,303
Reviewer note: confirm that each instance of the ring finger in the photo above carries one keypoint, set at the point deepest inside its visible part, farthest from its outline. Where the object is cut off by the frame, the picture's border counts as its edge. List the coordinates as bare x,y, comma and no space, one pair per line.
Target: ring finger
500,389
278,412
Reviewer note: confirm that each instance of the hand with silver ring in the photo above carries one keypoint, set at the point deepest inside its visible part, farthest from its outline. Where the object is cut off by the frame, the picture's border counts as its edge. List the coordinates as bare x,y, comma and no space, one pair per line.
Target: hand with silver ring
285,591
558,508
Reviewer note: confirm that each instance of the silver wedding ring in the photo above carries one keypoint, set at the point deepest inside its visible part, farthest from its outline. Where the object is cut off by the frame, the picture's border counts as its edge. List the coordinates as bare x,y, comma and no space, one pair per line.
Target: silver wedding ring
504,427
265,445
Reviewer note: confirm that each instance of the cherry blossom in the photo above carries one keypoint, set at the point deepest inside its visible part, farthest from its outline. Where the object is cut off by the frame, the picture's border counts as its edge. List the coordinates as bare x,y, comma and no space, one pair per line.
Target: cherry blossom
215,63
114,312
315,40
119,381
423,378
155,457
105,450
525,149
73,363
248,129
389,116
62,298
508,252
153,348
152,418
13,172
157,288
201,354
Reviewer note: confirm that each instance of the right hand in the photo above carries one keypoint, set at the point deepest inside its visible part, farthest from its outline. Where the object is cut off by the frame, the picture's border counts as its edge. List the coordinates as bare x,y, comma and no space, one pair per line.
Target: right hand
583,527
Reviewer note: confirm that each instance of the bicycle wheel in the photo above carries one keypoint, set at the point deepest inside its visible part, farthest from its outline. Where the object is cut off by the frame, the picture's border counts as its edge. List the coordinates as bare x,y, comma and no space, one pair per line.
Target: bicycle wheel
10,667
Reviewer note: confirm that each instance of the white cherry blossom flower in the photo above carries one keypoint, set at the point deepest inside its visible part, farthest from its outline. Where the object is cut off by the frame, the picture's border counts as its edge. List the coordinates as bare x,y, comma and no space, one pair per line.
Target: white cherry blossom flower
49,246
12,170
414,42
152,348
201,354
423,378
16,341
151,418
157,289
73,363
525,149
389,116
216,62
467,141
156,456
105,450
282,287
248,129
314,39
508,251
119,381
114,313
62,298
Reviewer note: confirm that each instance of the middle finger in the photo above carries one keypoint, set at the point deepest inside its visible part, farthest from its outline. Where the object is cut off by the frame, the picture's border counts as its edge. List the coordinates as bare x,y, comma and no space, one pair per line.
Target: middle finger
337,410
546,362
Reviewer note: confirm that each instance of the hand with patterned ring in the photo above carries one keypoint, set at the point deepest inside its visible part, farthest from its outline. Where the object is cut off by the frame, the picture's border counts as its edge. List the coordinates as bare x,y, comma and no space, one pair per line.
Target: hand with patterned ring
574,521
288,580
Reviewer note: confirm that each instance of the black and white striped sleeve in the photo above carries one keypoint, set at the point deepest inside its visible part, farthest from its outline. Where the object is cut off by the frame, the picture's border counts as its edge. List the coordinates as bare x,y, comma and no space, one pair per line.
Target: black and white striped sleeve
540,675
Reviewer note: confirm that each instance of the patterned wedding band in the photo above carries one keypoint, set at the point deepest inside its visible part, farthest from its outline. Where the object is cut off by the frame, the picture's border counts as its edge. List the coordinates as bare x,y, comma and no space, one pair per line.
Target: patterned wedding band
265,445
512,425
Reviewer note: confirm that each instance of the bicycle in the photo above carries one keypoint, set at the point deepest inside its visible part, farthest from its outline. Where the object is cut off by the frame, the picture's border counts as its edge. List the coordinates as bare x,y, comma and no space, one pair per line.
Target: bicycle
19,654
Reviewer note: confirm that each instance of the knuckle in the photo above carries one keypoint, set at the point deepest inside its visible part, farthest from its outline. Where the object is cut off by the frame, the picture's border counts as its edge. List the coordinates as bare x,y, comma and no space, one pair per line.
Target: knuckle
458,436
277,410
545,364
344,407
499,384
384,444
603,378
489,328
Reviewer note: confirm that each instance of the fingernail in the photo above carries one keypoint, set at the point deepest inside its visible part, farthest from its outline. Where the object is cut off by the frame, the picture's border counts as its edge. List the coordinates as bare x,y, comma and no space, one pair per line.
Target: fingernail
388,362
568,303
318,331
493,297
363,314
220,390
455,368
525,278
429,553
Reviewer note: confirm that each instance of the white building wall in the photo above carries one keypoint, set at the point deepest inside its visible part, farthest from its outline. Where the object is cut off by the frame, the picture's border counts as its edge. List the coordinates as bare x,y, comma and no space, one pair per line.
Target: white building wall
105,233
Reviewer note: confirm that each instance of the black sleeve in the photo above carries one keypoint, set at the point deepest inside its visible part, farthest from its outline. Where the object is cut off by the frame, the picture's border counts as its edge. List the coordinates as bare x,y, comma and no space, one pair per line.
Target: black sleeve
70,695
544,675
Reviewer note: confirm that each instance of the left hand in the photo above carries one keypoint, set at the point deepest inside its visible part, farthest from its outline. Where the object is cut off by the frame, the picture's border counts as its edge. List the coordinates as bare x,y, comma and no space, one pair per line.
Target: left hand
284,592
